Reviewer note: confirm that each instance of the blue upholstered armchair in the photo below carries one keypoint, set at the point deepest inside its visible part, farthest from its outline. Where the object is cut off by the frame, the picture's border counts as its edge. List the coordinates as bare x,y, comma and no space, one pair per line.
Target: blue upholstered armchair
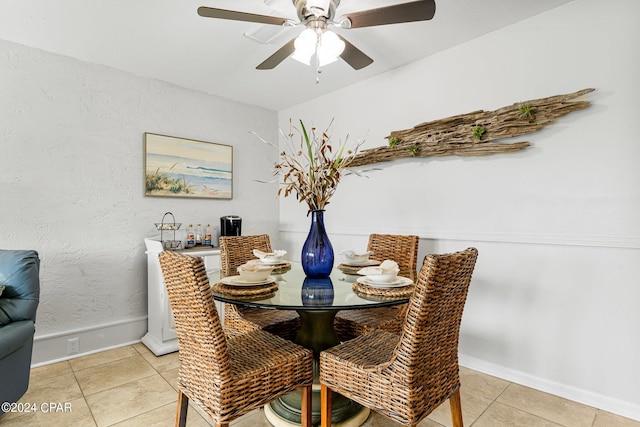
19,275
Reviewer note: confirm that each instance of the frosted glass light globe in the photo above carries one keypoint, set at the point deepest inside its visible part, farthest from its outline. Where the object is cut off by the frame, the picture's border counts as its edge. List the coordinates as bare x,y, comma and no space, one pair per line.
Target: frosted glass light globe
329,48
305,45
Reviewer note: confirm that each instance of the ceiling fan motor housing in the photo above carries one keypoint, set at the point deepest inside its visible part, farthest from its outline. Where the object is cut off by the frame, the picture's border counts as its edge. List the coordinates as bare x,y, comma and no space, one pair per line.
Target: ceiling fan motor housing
316,8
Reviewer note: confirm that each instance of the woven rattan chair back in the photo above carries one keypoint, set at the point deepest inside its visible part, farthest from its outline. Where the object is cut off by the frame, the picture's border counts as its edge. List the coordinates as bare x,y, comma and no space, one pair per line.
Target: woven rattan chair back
236,250
422,364
225,377
201,340
401,249
428,348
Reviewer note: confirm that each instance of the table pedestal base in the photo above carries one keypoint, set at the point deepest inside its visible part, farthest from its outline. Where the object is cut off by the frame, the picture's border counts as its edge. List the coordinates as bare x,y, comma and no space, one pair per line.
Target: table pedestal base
317,333
356,418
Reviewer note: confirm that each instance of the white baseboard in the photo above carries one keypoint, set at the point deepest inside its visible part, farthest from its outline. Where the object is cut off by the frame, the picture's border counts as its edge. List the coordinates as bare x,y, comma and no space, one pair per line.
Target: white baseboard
51,348
615,406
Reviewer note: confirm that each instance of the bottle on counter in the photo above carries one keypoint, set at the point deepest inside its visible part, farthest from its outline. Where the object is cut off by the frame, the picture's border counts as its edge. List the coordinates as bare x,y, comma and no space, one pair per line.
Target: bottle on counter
191,237
215,239
199,234
207,235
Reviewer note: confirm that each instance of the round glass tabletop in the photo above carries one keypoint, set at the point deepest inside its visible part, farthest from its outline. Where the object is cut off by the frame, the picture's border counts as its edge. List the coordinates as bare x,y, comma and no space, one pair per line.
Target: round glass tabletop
296,292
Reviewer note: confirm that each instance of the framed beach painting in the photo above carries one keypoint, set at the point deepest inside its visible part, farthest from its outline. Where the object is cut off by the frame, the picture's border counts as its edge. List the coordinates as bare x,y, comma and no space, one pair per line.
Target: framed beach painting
179,167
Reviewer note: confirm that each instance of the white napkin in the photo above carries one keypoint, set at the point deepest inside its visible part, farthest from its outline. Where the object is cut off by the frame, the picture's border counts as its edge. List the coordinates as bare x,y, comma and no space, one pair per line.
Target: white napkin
255,265
260,254
387,266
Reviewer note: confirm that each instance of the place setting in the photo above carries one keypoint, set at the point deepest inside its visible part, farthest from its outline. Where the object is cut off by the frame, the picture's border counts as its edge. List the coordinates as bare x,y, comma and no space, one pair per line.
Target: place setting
253,279
383,280
274,259
355,261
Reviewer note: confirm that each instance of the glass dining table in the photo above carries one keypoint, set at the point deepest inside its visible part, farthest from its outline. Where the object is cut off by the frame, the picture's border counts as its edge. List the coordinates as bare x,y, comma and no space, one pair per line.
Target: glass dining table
317,301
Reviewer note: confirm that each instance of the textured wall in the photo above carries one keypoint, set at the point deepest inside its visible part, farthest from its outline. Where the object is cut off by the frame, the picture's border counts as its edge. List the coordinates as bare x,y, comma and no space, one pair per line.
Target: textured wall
554,299
71,177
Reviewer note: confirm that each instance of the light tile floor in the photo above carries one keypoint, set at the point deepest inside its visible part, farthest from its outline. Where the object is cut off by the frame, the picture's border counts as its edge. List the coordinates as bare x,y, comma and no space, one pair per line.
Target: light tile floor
130,386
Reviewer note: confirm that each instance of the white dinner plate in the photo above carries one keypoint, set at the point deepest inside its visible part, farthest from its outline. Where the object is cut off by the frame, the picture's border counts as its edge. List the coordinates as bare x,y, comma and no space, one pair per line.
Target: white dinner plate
400,282
366,263
235,281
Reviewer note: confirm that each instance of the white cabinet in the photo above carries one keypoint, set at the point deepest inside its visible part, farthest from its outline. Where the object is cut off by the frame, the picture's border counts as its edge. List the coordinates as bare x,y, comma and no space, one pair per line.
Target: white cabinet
161,335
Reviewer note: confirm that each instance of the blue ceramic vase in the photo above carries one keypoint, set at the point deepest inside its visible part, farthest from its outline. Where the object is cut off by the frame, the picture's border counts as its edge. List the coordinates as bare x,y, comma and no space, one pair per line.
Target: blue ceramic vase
317,252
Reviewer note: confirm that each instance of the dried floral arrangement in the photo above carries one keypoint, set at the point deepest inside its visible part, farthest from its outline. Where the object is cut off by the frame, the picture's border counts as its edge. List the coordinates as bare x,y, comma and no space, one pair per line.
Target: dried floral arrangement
310,166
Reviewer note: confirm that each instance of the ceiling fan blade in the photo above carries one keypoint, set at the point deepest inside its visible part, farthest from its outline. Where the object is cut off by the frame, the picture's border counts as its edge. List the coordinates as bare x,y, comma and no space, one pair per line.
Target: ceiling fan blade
354,56
422,10
210,12
280,55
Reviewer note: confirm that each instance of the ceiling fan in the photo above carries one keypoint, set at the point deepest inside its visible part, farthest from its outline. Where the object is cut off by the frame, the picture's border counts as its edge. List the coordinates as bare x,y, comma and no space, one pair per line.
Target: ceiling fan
317,41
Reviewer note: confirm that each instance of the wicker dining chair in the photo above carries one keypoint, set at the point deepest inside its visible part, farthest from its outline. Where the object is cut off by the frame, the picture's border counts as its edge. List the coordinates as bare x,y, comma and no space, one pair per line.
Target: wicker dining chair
227,377
405,377
235,251
401,249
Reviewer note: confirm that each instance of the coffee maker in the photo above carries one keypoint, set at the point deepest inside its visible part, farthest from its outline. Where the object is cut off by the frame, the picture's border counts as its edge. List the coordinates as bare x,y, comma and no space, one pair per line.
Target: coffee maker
230,225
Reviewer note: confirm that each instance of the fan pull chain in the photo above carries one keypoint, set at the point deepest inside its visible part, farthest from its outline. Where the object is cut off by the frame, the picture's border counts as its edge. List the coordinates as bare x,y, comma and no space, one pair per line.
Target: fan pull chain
317,59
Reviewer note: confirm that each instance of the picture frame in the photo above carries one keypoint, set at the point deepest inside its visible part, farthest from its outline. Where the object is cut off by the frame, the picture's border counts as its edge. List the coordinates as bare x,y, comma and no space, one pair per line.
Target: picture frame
188,168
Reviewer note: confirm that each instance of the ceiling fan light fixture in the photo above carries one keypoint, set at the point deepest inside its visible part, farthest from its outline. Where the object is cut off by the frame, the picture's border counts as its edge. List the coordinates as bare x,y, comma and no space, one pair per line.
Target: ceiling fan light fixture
305,45
329,48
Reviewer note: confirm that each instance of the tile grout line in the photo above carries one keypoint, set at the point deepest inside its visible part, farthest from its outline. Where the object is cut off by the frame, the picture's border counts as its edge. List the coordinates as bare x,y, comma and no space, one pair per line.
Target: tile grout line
106,363
157,373
83,395
493,401
523,410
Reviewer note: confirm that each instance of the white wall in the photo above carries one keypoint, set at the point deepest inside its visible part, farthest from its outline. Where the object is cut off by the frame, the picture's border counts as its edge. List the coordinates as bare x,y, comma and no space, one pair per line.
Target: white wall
554,300
71,185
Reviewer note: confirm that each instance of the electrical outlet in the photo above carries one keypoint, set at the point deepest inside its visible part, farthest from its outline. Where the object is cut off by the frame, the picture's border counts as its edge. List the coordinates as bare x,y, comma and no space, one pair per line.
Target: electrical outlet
73,346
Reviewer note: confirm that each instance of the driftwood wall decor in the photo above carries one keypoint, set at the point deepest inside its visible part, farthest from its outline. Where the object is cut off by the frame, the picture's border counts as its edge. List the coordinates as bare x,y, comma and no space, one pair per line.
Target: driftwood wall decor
473,134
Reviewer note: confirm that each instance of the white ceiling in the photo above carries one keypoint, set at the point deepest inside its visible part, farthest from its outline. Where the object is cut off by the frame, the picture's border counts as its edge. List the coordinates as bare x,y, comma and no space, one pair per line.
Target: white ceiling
167,40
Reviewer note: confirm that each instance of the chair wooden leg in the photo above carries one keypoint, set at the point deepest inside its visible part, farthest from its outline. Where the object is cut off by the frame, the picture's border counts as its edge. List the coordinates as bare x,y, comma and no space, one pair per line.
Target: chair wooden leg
181,413
306,407
456,409
325,406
